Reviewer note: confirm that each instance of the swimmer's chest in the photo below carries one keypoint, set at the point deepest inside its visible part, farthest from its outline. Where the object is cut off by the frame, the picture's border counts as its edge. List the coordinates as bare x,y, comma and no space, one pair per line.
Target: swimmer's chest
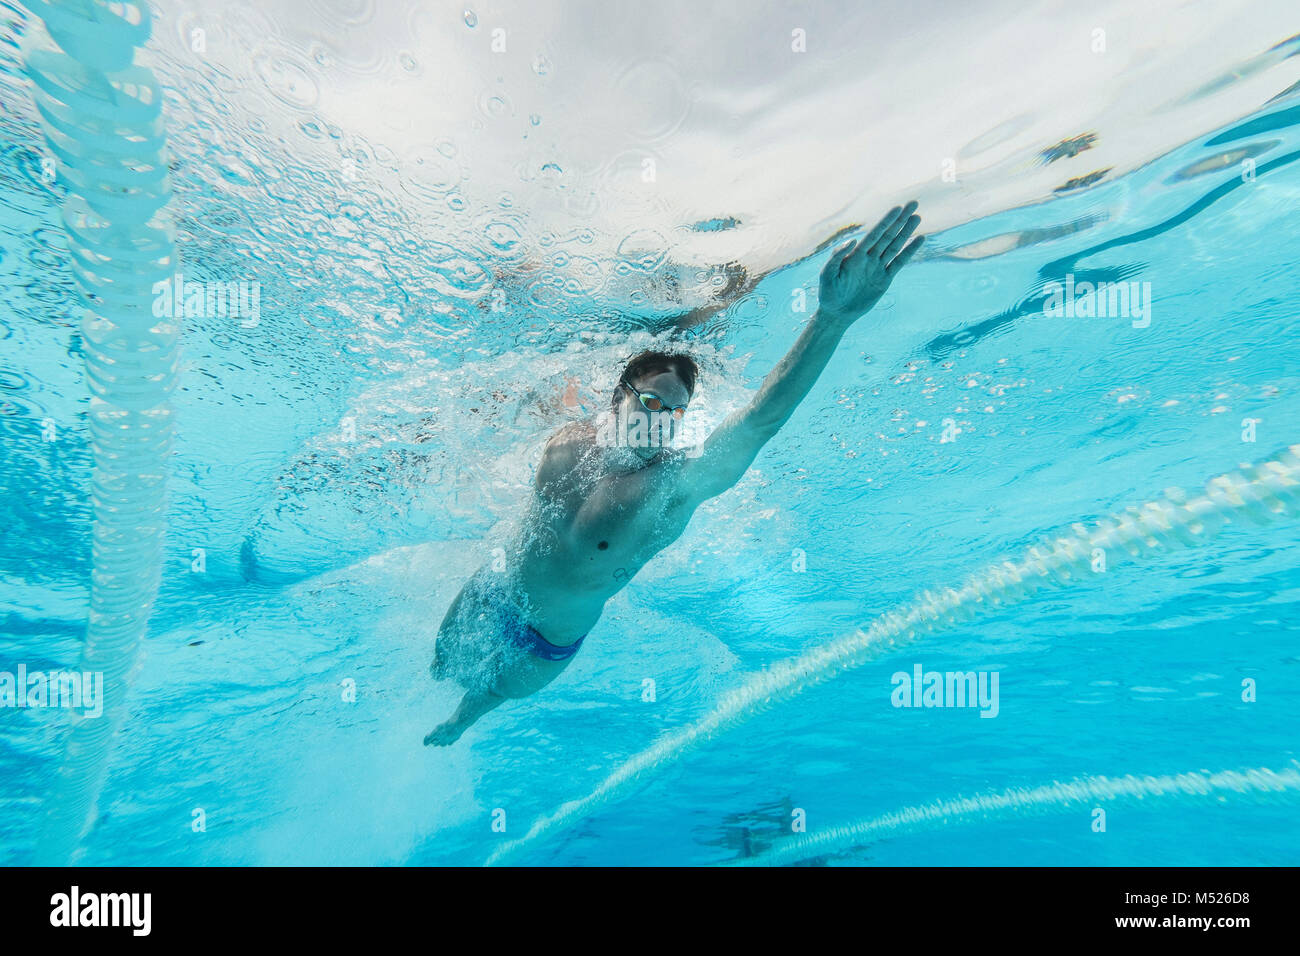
618,529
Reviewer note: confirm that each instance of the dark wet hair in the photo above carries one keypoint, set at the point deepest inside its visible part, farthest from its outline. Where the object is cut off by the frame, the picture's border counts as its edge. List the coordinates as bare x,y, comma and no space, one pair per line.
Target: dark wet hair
645,363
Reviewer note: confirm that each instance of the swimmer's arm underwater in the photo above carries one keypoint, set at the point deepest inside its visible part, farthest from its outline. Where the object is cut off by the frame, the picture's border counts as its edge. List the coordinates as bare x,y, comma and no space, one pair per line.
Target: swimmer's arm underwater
852,281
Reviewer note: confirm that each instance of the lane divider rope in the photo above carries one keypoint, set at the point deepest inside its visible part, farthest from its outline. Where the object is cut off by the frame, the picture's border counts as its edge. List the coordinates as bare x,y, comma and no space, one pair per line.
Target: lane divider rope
101,116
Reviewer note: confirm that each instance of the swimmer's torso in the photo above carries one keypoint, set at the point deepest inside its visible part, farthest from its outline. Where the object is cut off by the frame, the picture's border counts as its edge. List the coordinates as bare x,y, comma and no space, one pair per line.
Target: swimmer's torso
589,530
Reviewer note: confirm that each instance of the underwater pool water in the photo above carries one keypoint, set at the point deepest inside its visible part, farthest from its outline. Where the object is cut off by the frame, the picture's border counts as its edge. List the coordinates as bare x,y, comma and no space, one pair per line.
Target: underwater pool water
423,303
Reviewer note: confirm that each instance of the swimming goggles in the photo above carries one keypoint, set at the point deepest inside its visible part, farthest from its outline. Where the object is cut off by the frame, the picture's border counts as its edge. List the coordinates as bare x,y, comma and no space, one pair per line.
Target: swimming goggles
653,403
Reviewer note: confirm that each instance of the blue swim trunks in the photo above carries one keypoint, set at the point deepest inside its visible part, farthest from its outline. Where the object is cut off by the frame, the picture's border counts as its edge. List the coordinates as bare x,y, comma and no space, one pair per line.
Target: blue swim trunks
492,588
527,637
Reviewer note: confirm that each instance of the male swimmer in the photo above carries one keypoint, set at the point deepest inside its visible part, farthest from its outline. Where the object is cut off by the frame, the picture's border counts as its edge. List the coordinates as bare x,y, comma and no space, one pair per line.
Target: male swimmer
610,493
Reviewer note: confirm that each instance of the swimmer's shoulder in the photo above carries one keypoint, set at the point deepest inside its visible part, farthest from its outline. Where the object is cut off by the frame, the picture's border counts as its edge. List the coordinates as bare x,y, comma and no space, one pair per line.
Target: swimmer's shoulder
563,452
571,441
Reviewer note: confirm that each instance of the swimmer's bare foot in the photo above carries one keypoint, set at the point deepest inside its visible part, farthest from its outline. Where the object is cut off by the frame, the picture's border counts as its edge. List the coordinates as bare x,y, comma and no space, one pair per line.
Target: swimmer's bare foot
472,706
444,734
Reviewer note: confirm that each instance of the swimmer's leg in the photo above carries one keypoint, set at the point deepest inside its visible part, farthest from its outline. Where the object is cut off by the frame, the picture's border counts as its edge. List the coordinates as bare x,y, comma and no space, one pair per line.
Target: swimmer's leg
447,651
439,667
473,705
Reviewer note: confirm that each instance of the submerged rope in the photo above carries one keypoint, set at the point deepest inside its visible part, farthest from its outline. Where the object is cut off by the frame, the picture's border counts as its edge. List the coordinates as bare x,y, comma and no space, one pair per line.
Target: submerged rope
1051,798
102,119
1258,494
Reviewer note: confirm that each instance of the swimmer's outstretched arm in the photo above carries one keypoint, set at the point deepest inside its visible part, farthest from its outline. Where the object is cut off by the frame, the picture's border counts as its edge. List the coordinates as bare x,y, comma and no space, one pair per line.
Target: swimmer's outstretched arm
852,281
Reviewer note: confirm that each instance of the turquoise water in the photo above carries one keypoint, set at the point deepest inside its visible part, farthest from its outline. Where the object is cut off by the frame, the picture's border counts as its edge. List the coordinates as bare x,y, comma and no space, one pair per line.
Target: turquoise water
345,463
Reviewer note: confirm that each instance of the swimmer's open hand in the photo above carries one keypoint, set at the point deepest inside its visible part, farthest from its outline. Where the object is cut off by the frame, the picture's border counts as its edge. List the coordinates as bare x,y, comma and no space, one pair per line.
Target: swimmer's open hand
858,273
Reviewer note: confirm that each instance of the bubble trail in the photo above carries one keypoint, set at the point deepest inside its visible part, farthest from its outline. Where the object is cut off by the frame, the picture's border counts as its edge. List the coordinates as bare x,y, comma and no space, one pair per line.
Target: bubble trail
1051,798
1258,494
101,116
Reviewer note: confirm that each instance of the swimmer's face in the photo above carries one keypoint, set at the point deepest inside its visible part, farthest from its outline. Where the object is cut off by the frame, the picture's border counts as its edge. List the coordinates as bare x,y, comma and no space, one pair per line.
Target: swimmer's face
647,431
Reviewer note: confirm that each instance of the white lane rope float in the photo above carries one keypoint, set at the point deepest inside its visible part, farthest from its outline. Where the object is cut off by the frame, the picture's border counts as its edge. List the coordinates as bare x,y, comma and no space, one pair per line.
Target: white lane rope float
101,116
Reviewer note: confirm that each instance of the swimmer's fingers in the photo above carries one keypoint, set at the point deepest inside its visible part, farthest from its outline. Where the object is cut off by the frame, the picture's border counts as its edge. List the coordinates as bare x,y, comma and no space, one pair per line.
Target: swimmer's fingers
902,227
838,256
882,228
881,234
901,259
887,252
